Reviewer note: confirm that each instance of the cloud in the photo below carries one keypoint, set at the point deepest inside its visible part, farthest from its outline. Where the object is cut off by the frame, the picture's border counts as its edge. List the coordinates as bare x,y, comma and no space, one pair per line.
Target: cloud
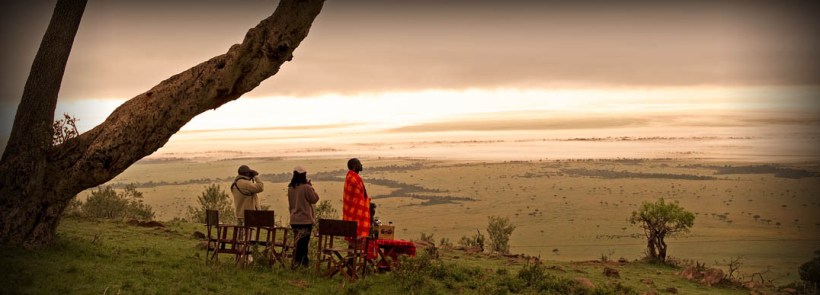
124,48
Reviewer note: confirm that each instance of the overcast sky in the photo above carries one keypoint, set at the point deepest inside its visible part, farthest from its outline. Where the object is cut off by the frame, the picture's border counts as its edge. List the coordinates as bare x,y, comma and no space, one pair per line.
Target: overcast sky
125,47
405,63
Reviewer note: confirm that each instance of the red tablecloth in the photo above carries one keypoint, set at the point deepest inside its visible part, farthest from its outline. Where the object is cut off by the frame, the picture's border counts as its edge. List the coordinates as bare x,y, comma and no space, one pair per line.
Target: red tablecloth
393,248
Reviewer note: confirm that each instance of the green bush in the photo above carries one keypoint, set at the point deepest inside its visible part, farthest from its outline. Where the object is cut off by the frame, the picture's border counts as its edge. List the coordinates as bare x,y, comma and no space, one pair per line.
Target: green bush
325,210
108,204
499,228
136,209
74,208
810,271
533,278
476,241
104,203
427,238
213,198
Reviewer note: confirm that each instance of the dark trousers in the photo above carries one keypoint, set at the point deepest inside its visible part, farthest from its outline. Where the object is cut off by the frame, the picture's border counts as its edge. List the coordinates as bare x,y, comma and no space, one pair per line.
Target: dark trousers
301,233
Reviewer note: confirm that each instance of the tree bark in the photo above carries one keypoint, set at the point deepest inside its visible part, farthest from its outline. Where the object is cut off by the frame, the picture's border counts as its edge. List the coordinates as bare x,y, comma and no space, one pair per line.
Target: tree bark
37,180
661,248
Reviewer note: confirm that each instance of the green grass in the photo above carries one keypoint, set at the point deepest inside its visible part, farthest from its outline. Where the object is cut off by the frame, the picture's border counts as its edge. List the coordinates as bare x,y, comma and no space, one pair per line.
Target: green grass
103,257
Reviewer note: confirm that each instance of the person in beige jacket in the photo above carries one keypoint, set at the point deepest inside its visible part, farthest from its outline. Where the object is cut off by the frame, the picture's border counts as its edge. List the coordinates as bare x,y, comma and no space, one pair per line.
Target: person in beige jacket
244,189
301,197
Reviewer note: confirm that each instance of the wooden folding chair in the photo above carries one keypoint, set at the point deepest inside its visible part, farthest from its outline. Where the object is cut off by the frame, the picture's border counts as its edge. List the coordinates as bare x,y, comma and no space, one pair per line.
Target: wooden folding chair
211,225
345,259
229,239
262,223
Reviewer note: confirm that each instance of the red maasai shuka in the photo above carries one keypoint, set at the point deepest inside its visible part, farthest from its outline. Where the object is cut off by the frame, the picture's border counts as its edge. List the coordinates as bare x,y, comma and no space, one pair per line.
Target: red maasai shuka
398,247
356,203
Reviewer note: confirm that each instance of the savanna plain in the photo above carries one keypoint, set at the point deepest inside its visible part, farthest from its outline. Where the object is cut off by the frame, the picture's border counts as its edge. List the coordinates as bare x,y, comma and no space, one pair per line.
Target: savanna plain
563,210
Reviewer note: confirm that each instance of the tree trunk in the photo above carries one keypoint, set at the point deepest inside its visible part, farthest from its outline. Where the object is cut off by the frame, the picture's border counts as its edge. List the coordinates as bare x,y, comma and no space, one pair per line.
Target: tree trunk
37,180
661,248
650,248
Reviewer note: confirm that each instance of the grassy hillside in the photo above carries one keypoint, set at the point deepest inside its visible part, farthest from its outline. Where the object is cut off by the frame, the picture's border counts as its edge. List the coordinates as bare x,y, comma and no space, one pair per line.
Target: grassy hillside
103,257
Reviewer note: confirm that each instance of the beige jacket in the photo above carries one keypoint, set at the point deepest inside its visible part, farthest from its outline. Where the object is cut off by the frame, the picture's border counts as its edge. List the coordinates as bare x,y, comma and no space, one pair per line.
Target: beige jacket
300,203
244,194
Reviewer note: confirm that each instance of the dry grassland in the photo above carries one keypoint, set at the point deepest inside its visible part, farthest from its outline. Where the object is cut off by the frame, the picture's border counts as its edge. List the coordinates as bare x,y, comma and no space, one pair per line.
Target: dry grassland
563,210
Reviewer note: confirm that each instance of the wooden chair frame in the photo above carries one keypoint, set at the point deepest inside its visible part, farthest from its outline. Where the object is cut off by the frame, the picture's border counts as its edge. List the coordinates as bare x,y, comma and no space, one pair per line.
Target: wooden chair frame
212,229
262,222
229,239
349,260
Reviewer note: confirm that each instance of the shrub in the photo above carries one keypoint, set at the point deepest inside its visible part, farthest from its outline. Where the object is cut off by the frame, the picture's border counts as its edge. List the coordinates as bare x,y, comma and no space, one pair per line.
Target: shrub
413,275
325,210
107,203
499,228
810,271
74,208
104,203
445,243
136,208
427,238
533,278
476,241
213,198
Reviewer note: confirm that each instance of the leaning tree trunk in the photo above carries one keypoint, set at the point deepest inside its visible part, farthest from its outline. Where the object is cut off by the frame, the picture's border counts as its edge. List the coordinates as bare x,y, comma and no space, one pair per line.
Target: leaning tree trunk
650,248
661,248
37,180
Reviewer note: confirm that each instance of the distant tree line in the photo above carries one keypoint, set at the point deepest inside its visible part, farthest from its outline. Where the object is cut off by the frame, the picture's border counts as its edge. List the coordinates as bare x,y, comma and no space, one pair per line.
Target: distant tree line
626,174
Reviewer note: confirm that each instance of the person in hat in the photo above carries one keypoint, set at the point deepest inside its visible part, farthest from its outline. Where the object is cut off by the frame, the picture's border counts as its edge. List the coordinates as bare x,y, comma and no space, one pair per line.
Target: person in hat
301,198
244,189
356,202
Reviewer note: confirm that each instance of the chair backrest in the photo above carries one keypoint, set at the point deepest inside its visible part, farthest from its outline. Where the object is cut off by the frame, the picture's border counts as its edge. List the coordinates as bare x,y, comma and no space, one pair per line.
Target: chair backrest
211,217
340,228
259,218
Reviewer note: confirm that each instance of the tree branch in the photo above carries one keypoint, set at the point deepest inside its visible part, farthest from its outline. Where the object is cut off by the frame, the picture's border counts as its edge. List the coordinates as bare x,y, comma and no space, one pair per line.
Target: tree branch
144,123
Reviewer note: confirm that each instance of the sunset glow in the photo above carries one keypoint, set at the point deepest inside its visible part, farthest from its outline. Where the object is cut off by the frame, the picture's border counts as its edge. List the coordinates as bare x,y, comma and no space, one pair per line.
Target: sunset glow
396,109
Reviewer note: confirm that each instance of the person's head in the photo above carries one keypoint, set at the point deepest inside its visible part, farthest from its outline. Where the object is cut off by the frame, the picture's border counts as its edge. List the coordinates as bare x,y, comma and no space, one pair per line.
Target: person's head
244,170
299,176
355,165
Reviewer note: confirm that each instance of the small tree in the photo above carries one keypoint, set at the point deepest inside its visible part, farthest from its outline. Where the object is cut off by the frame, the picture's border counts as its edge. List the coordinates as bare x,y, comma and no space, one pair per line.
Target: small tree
810,271
213,198
499,228
658,221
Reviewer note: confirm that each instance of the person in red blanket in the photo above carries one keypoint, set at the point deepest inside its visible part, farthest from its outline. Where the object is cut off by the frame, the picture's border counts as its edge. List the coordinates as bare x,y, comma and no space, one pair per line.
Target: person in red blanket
356,203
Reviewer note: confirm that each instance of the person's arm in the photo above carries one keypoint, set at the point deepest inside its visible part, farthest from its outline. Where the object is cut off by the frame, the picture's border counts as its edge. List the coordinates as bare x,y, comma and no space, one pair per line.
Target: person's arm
311,195
290,202
250,187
